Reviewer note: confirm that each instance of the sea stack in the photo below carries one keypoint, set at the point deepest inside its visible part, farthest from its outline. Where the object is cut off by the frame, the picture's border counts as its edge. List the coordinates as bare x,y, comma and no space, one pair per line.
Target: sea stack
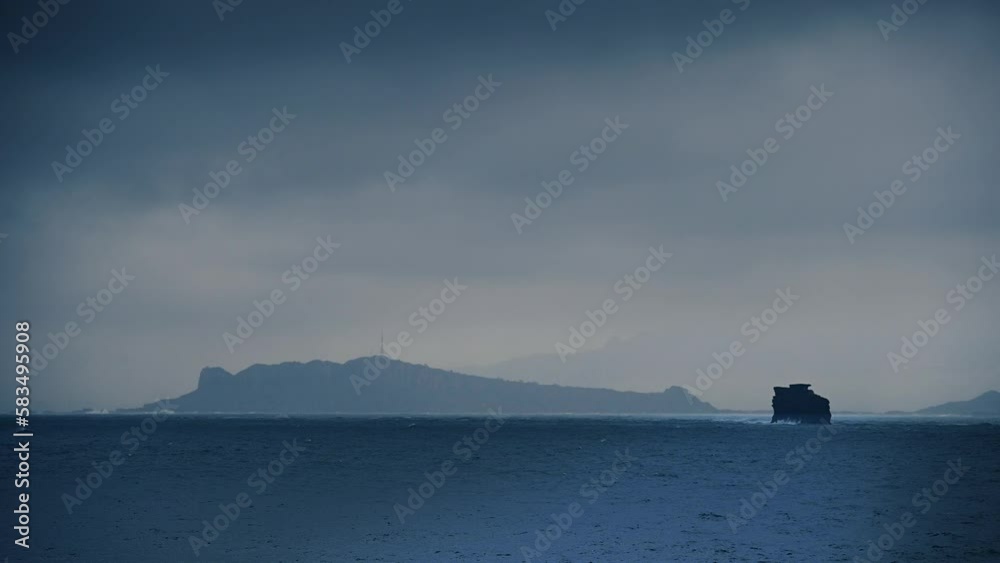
798,403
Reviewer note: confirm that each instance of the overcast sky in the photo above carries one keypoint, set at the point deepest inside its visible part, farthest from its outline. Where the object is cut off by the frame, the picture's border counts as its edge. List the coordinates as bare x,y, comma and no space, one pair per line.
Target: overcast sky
323,175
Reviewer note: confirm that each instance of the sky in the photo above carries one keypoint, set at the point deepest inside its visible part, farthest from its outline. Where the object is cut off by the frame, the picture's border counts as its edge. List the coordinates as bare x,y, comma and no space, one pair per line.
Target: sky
341,107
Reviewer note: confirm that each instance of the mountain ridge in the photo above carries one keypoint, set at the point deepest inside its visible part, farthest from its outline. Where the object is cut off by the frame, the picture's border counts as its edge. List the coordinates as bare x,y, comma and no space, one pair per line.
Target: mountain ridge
405,388
360,386
987,403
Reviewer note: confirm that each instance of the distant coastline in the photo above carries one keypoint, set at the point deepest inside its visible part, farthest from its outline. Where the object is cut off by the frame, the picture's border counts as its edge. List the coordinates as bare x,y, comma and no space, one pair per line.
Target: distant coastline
401,388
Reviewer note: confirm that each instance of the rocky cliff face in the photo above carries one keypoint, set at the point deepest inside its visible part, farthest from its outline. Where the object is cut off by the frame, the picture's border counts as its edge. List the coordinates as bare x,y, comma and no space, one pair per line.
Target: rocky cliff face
798,403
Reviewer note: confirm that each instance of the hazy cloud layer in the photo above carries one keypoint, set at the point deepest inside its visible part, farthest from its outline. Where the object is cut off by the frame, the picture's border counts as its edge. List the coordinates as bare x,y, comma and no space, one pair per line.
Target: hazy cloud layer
323,175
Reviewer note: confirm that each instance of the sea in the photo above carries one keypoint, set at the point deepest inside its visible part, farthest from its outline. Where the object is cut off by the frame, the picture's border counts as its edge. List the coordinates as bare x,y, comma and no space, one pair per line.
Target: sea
496,487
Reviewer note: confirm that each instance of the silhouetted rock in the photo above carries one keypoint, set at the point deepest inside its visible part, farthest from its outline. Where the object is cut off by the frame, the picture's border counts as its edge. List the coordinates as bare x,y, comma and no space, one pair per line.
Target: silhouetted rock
361,386
798,403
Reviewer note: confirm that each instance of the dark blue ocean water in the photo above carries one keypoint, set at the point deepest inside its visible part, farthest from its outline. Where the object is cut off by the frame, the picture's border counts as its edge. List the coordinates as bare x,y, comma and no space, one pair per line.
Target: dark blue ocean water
541,489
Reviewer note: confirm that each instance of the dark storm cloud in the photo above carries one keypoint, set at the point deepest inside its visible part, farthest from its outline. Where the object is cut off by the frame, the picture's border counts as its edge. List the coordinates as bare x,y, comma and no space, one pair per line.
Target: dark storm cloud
324,175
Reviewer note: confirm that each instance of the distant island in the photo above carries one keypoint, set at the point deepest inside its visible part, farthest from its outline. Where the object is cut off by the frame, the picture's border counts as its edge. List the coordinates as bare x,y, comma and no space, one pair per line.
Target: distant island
987,404
798,403
361,386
